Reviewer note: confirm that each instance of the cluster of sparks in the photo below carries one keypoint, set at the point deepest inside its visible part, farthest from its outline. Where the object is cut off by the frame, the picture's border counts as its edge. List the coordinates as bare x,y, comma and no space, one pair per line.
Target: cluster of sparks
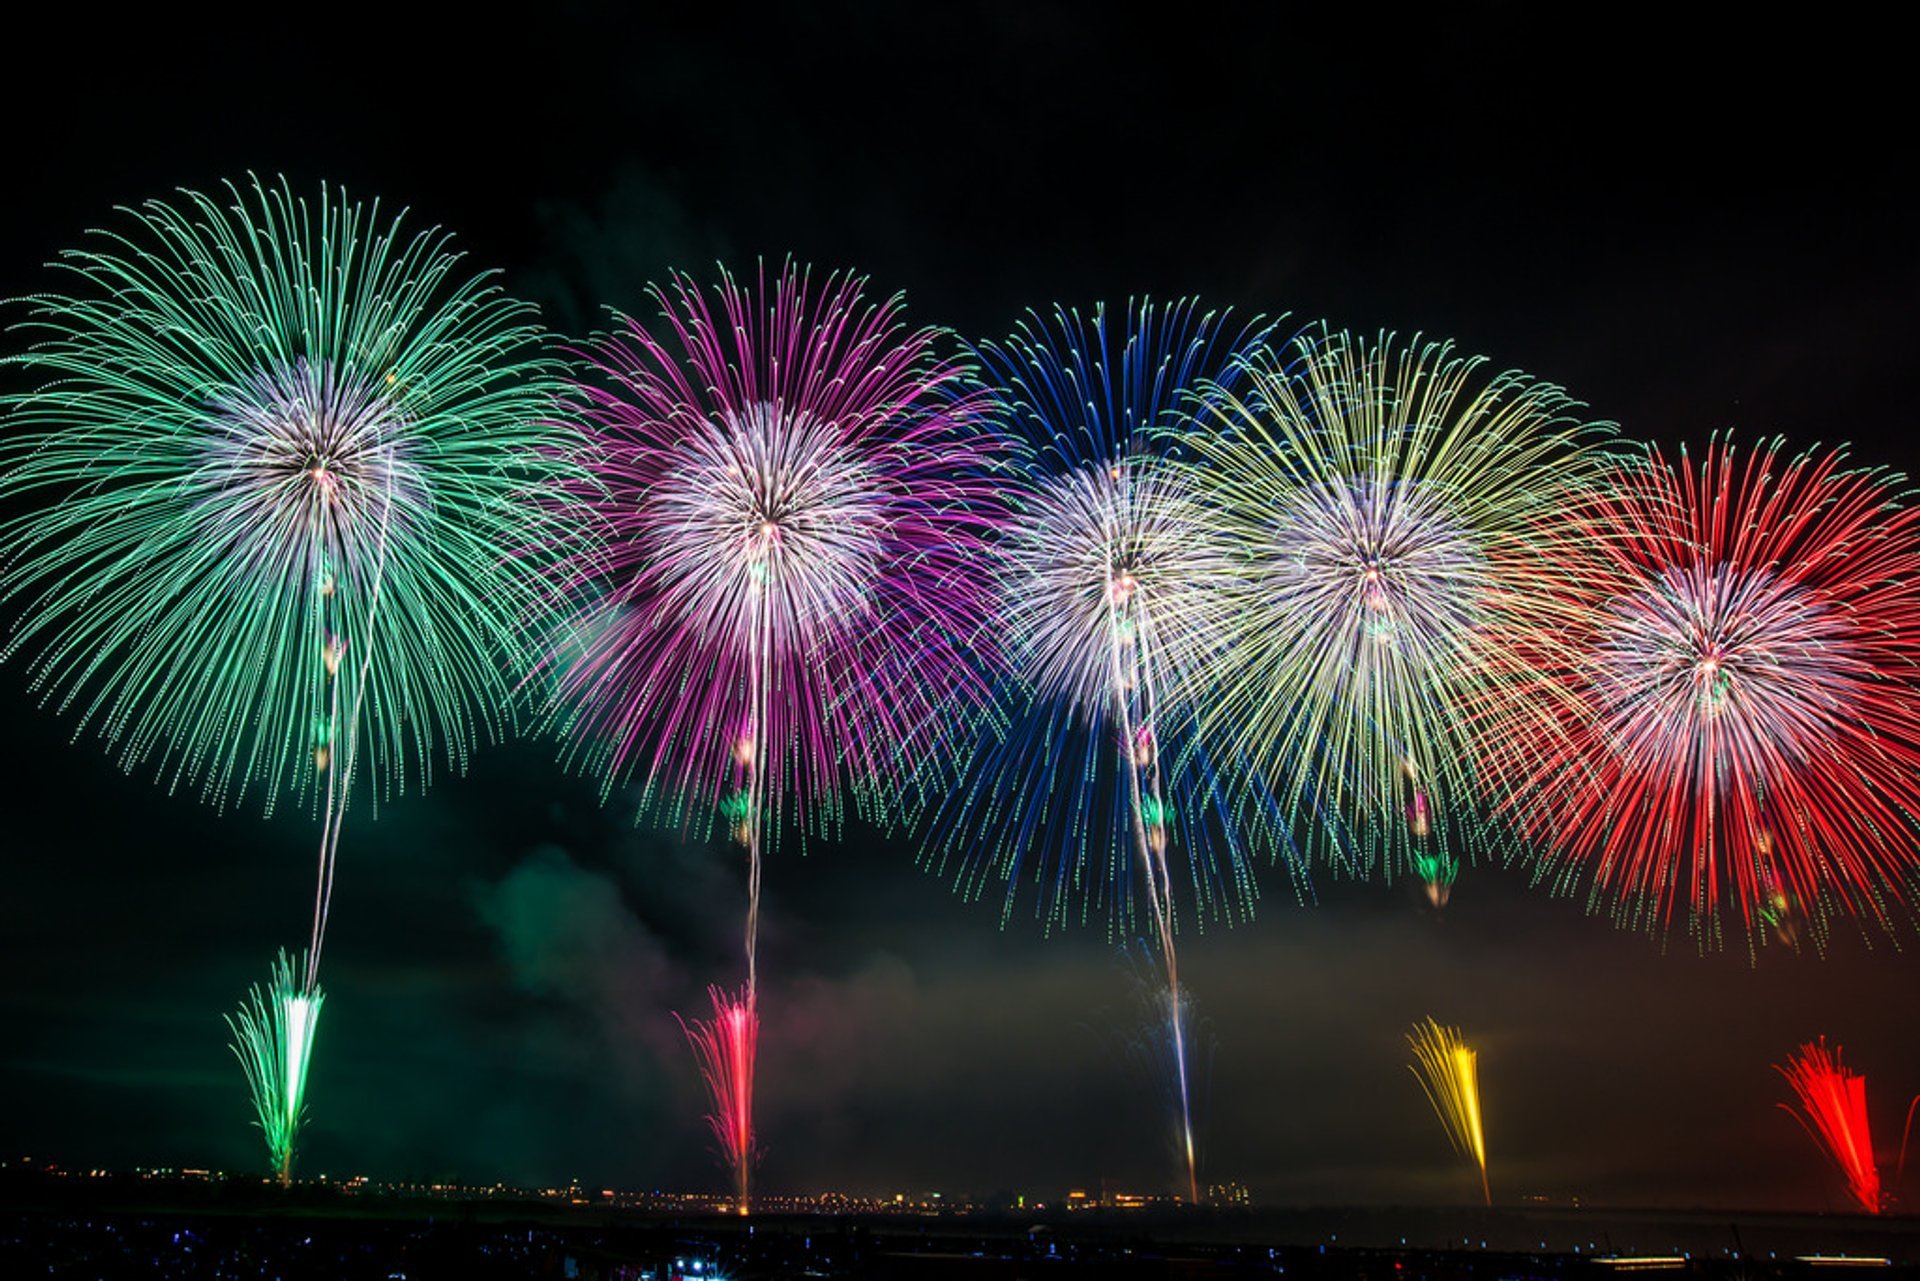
1101,608
1448,1069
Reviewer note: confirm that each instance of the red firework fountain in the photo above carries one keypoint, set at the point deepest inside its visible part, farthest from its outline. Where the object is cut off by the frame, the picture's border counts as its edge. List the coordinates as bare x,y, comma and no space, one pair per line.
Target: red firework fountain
724,1046
1835,1117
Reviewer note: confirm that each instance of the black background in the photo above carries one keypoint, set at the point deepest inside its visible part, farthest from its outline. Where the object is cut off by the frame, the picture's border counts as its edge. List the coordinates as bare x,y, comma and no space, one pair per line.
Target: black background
1693,228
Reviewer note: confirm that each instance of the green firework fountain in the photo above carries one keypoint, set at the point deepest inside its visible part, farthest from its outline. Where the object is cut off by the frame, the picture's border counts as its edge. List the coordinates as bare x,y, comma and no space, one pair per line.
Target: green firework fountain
273,1039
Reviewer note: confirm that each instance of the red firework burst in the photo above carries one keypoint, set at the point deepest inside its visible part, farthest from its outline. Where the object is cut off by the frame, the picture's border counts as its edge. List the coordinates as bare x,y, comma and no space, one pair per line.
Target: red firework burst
1724,715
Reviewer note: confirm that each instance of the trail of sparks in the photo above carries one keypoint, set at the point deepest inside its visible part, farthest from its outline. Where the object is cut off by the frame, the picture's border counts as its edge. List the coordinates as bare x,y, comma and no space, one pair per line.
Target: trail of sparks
340,781
1169,1050
1448,1071
1906,1133
1130,633
726,1047
1833,1112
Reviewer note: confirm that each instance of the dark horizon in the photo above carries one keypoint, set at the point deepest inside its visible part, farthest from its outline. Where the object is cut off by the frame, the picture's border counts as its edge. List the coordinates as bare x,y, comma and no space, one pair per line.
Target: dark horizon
1692,231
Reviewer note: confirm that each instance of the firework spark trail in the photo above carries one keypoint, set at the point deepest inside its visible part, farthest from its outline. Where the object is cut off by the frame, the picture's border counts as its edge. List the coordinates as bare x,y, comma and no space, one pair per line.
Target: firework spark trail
1377,488
272,439
726,1046
1130,634
1725,714
783,607
340,781
1168,1048
1906,1133
1448,1071
1110,603
1833,1112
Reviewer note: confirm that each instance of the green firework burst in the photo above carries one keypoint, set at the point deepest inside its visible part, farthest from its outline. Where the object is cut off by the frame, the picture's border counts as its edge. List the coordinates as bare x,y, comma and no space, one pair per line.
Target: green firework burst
266,439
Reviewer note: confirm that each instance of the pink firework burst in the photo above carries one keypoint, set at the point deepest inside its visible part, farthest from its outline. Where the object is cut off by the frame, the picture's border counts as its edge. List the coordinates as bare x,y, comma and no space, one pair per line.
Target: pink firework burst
785,515
794,497
1722,716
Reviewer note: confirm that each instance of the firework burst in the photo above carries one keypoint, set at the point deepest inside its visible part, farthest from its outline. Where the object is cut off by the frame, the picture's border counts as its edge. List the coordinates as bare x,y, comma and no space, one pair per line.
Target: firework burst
1726,717
794,496
253,419
272,439
1111,610
1833,1112
1448,1070
1376,488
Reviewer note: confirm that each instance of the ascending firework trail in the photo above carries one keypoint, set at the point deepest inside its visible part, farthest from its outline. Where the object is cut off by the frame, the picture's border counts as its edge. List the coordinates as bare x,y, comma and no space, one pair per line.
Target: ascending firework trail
274,455
793,495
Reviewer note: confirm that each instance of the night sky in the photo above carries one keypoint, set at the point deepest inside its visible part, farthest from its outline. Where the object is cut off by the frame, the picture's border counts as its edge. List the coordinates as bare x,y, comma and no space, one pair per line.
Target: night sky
1690,229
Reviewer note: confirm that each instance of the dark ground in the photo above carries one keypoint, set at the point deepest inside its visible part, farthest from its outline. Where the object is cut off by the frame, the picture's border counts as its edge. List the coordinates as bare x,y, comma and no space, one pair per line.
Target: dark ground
115,1228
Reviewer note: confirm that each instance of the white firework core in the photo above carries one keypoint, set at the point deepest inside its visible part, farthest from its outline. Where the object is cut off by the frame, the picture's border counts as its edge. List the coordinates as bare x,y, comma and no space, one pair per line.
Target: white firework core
299,455
1093,539
1717,656
1379,578
775,502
